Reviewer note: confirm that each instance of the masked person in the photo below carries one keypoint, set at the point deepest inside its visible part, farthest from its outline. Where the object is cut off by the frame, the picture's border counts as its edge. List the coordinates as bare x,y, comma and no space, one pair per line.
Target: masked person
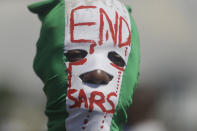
88,59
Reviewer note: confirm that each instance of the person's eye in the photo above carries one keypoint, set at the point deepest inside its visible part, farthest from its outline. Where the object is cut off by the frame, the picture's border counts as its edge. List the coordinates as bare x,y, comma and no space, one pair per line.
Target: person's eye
116,59
75,55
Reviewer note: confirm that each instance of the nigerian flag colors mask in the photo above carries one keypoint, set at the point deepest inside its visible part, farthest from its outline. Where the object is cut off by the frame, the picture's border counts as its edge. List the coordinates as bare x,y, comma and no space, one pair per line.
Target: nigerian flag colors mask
88,59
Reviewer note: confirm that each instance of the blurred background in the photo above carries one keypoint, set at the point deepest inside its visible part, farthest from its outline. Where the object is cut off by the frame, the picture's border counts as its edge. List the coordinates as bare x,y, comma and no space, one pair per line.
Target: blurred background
166,97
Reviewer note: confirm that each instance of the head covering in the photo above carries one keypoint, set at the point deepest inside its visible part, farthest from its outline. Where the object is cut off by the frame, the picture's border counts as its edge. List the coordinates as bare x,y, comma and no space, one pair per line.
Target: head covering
51,65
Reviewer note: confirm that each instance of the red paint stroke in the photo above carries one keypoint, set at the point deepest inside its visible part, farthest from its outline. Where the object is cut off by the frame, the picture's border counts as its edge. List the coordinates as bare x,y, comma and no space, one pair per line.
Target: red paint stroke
126,49
69,94
104,118
128,42
117,67
82,98
111,102
85,121
83,128
88,24
80,62
97,102
107,35
72,91
102,127
92,47
114,31
73,24
69,69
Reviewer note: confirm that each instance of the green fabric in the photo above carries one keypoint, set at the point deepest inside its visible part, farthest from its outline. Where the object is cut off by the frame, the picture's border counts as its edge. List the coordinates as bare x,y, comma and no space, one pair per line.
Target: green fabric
129,82
49,60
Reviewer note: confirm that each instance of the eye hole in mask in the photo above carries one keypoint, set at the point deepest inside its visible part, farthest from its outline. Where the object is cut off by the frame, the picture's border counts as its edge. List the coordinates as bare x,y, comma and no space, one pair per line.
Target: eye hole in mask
116,59
75,55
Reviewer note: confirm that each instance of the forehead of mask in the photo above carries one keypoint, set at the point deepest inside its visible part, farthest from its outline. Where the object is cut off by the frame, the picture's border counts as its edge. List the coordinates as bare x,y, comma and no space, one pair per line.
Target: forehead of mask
98,27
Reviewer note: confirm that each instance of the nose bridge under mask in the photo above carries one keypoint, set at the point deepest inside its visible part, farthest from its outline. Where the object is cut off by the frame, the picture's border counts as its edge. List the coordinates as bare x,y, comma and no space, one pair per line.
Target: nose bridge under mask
97,61
98,58
100,61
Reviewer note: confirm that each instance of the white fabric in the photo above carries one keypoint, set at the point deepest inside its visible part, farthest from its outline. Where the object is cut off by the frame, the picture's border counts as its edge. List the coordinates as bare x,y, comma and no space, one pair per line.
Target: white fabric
81,118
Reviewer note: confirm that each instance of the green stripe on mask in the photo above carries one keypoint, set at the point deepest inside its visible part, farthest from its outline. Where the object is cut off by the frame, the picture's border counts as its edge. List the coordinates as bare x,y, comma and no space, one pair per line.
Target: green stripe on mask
49,60
129,81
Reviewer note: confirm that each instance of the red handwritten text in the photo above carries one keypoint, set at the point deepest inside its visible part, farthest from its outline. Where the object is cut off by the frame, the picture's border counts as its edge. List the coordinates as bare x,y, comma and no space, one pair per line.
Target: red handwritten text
82,98
113,29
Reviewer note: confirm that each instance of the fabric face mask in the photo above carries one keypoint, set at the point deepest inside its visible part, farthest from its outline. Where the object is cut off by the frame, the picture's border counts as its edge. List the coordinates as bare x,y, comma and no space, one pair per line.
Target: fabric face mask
101,32
100,57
